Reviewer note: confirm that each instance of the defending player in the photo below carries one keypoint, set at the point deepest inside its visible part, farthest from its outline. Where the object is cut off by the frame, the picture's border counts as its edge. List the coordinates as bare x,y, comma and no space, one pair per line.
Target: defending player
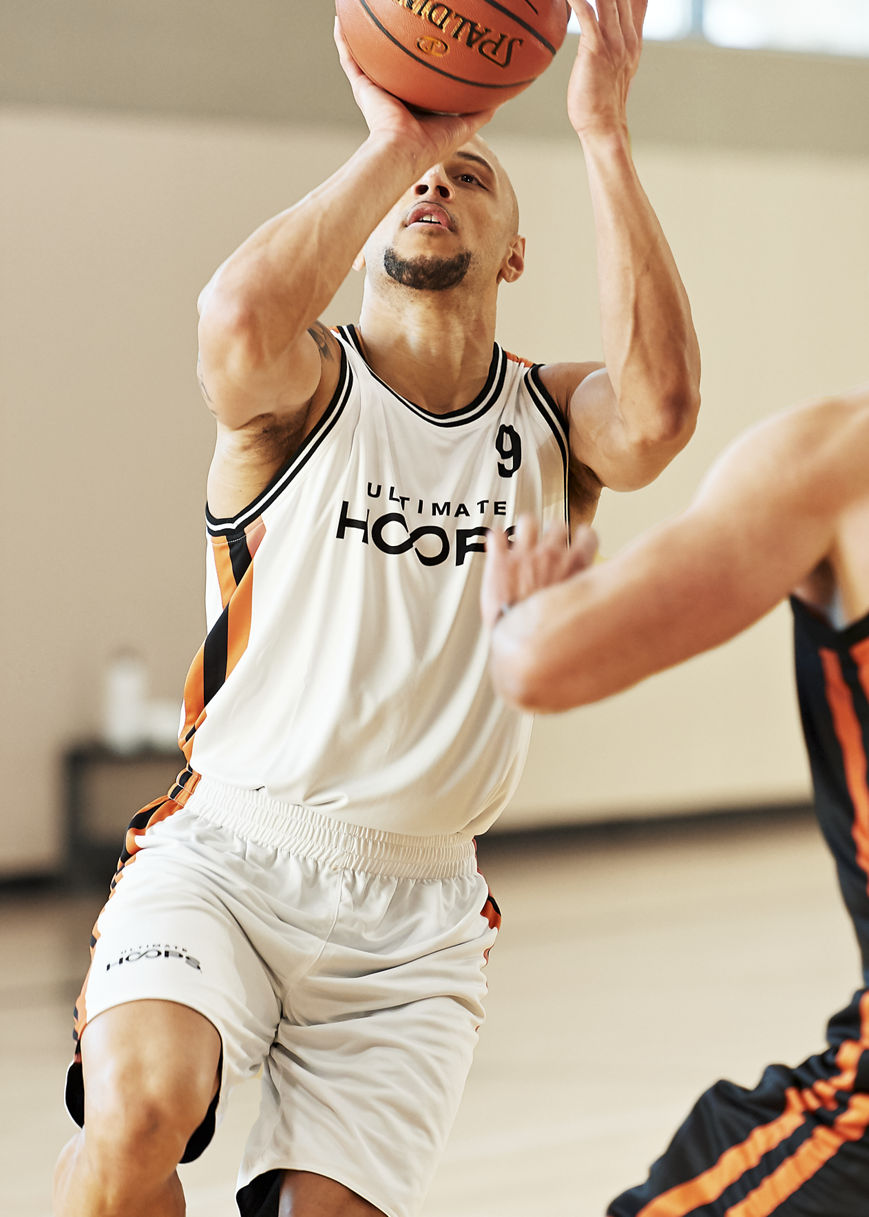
307,898
784,512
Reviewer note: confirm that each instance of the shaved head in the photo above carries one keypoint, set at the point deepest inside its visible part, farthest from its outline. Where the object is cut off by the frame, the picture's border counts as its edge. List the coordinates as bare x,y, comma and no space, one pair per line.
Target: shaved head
478,146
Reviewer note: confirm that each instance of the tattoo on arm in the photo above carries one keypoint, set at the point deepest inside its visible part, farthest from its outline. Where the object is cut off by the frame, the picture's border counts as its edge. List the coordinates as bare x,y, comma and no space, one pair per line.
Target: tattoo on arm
320,335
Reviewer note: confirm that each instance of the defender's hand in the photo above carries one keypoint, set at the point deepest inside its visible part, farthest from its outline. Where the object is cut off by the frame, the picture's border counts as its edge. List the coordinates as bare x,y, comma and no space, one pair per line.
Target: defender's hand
517,569
606,62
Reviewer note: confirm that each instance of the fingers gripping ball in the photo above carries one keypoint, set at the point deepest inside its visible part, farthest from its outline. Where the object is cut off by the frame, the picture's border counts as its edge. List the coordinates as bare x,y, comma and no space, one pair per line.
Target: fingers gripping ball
453,60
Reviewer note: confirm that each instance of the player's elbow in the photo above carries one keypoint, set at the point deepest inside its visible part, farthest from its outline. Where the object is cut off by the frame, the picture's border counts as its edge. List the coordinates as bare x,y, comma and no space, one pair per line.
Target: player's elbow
670,425
229,328
655,438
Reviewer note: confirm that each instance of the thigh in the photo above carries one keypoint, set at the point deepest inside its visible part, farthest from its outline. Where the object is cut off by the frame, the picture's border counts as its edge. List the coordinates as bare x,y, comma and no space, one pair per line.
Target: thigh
373,1052
172,935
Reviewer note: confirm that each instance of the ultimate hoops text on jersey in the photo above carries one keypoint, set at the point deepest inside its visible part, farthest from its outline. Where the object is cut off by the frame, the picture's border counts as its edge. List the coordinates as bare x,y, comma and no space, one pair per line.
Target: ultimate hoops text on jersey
345,668
391,533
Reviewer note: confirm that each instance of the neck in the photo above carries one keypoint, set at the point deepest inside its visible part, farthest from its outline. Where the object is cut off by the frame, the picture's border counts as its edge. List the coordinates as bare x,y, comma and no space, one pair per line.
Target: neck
430,347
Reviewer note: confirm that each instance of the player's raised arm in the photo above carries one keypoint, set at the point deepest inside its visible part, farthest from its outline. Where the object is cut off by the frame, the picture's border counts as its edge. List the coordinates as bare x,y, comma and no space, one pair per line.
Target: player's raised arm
765,519
262,352
631,417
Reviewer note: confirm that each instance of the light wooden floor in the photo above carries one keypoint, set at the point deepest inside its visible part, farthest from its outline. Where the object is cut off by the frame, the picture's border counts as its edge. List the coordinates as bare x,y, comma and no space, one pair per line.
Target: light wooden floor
633,969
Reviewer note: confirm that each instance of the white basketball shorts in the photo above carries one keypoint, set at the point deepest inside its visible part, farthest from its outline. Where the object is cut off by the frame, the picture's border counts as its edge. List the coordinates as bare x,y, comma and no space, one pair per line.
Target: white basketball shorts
347,963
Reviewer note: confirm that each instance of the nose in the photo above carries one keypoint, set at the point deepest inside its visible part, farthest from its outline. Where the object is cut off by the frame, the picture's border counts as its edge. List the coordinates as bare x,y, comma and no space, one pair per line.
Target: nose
435,183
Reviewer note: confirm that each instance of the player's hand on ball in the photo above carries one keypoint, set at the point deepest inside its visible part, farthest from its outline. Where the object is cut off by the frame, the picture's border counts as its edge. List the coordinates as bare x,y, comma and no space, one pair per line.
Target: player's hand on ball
530,562
434,135
607,59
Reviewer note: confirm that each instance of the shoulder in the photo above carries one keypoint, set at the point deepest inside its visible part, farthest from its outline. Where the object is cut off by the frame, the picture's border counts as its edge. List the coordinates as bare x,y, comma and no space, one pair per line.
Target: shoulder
822,445
561,380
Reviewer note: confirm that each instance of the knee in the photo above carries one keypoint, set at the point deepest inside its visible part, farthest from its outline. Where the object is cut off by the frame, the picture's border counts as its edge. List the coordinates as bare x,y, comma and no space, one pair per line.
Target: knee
138,1128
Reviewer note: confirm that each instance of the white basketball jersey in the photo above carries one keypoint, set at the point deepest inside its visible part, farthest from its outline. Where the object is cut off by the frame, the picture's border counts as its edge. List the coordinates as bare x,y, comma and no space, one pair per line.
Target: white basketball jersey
345,666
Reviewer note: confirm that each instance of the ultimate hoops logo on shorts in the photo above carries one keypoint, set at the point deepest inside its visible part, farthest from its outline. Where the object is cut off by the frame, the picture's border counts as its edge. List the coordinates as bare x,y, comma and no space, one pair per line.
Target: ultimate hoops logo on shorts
132,955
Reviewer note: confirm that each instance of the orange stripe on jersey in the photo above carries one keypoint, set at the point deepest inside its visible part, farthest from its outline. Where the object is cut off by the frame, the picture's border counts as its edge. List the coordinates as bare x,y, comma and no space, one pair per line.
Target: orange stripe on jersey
228,637
526,363
240,609
194,701
223,566
850,736
255,533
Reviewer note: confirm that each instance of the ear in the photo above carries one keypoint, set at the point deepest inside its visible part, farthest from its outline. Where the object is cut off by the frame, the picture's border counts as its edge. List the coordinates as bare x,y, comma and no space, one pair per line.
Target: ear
514,261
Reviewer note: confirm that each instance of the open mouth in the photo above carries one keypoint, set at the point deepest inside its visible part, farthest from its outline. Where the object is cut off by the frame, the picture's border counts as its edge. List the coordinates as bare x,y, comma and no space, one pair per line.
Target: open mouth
429,214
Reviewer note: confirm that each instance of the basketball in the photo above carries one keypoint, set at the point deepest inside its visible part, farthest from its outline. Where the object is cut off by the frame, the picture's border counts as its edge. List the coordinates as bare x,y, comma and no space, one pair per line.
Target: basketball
453,60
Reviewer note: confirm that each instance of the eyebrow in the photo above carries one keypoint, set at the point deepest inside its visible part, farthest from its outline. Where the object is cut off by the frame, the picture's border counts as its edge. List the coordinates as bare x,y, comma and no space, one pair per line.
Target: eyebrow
478,160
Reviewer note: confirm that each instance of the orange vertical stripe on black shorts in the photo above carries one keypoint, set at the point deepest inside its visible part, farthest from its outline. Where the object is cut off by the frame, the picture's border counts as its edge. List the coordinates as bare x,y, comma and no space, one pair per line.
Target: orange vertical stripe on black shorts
860,655
806,1161
850,736
732,1165
684,1198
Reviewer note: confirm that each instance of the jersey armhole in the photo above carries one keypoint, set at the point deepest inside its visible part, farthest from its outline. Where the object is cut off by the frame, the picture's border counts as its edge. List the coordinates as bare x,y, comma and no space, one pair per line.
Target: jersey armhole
292,467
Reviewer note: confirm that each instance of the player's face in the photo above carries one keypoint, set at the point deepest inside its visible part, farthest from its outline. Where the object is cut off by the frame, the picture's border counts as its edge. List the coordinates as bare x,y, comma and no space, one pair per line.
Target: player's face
459,218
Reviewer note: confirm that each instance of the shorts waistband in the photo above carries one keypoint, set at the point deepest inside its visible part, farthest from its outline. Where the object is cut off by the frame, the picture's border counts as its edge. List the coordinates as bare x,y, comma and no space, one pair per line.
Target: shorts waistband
307,832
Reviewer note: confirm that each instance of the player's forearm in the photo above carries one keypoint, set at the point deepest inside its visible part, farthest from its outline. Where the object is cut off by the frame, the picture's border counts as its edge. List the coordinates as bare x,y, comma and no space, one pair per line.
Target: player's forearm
279,281
530,658
649,342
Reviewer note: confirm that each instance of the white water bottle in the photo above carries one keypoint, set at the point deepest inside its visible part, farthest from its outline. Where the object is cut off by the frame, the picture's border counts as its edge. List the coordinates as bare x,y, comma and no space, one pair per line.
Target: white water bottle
124,702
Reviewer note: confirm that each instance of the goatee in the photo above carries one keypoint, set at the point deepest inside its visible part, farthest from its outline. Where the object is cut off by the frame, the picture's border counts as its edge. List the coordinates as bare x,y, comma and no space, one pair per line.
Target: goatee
427,274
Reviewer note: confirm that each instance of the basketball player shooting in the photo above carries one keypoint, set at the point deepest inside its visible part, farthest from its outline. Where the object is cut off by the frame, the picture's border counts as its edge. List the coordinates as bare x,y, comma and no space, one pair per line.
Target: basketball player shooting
784,513
306,898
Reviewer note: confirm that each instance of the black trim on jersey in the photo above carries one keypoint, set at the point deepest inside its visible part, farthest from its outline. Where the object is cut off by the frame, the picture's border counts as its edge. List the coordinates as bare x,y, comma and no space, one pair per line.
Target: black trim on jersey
824,634
239,556
548,407
138,824
487,396
215,656
225,526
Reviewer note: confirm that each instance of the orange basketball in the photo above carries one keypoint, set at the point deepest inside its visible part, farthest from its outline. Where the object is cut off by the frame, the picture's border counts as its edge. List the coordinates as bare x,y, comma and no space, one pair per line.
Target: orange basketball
453,60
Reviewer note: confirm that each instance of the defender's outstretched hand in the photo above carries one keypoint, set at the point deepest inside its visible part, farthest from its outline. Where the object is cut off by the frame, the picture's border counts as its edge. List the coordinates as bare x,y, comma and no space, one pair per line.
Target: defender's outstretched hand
517,569
607,59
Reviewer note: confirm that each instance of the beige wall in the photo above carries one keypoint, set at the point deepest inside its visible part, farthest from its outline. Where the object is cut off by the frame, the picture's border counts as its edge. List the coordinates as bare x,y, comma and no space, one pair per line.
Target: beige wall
111,224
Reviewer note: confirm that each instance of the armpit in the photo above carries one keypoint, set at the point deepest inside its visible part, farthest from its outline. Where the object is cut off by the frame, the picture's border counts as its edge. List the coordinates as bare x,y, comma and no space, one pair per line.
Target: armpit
271,439
583,489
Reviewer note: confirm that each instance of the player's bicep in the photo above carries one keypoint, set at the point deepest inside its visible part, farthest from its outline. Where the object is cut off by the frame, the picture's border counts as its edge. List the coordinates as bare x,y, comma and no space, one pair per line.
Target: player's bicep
625,444
239,381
